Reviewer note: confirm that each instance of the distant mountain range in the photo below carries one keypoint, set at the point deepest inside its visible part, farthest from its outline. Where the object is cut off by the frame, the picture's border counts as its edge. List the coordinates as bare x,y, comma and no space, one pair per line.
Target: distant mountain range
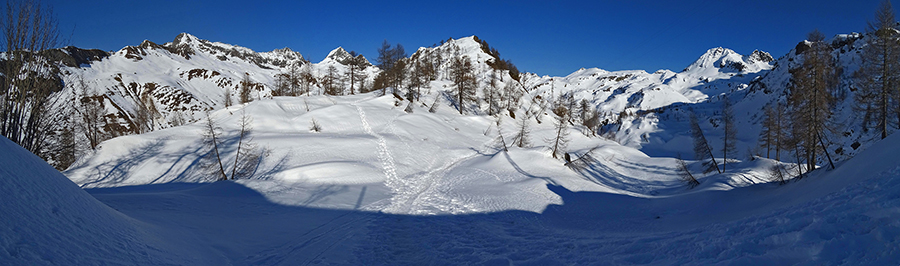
184,78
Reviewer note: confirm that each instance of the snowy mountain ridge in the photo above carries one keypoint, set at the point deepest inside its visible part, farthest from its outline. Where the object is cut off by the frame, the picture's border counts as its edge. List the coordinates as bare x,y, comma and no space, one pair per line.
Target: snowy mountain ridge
184,78
382,178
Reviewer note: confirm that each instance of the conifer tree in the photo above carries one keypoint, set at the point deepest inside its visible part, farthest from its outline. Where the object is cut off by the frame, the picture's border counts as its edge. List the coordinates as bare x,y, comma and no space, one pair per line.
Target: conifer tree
247,156
91,110
522,138
211,135
355,73
561,141
492,93
811,97
26,114
730,136
685,173
463,78
766,133
879,73
307,80
774,132
330,82
227,97
245,86
702,151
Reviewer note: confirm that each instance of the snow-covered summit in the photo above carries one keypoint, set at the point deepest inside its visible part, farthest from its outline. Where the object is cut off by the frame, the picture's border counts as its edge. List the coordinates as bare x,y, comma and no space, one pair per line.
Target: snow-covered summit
721,59
339,55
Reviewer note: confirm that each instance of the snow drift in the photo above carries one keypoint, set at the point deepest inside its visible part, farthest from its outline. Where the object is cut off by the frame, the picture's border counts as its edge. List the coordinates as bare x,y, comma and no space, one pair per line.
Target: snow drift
48,220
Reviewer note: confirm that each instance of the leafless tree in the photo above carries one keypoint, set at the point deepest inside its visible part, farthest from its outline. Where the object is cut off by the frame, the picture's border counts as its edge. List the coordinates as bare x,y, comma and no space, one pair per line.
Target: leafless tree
879,72
685,173
314,125
212,134
811,97
462,74
560,142
227,96
91,111
28,28
330,82
777,173
730,136
245,87
702,151
247,155
523,138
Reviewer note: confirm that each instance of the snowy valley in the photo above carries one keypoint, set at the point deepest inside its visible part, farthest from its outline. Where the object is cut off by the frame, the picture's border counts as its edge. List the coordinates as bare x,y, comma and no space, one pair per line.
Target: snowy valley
408,175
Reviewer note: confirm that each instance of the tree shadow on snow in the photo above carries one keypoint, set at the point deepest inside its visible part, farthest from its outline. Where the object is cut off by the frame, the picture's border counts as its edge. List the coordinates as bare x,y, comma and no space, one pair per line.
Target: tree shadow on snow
587,228
117,170
249,229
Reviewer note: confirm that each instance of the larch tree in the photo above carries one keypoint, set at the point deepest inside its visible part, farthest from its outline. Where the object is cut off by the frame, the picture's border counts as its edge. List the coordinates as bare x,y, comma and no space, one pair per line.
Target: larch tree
245,86
773,135
330,82
462,74
91,111
522,139
282,86
729,146
879,73
560,142
247,156
355,74
702,151
26,118
811,96
307,79
227,96
212,134
493,93
685,173
390,61
766,138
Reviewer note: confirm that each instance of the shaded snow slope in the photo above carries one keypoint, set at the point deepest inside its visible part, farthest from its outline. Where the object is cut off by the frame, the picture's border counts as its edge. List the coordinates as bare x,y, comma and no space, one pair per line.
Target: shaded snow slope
845,216
48,220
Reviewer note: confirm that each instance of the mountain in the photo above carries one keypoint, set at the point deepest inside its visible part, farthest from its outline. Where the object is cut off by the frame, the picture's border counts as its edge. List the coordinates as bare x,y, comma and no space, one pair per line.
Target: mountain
179,80
391,180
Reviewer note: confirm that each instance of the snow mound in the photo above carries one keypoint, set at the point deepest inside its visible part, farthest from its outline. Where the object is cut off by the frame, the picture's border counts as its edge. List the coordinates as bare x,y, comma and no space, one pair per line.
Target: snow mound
48,220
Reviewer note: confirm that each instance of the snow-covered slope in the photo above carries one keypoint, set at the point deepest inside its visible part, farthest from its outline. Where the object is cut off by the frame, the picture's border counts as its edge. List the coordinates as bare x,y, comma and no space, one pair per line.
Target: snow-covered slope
181,79
355,194
48,220
389,181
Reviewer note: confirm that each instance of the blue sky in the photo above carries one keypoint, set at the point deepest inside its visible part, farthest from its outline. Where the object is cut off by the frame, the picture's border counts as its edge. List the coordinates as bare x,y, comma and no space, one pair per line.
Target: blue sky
545,37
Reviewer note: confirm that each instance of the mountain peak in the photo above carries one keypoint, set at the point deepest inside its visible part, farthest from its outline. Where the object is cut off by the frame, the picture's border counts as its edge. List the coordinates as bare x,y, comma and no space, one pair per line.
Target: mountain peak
339,54
712,57
185,38
726,60
760,56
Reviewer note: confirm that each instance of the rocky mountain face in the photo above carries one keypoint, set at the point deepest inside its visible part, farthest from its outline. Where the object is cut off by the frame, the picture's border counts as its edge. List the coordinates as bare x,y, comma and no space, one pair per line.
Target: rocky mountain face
177,81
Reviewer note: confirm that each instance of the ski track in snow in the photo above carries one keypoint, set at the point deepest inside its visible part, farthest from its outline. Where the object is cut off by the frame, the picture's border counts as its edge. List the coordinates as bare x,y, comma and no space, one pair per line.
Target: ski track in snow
415,193
389,168
424,195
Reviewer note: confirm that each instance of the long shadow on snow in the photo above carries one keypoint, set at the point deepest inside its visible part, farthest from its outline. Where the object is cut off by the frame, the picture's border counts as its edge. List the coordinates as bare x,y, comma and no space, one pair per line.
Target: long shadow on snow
589,227
116,171
595,171
259,232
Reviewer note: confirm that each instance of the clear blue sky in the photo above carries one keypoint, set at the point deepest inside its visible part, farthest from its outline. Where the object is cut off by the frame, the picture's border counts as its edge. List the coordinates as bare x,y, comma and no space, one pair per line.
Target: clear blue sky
545,37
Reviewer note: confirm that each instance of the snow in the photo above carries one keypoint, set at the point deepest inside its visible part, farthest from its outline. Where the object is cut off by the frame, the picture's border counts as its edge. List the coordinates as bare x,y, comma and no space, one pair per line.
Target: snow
48,220
381,186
